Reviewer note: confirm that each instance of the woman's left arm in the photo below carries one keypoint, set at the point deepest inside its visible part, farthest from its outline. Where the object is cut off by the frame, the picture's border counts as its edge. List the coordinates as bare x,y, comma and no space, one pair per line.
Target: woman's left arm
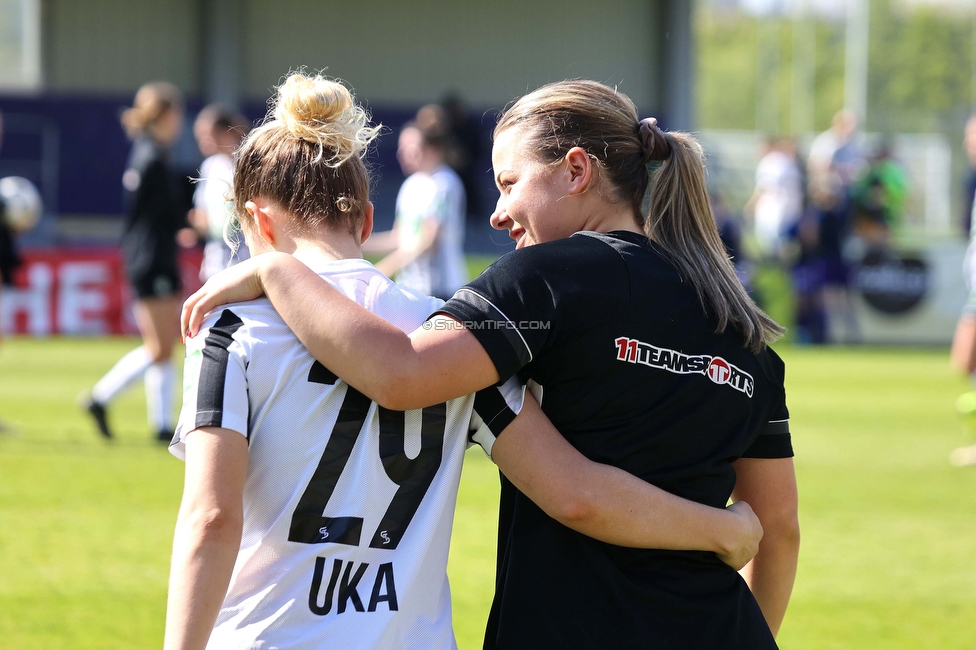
769,486
208,535
440,361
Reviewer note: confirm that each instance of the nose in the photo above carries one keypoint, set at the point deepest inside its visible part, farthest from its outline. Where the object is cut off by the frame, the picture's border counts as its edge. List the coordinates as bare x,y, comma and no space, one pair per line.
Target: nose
499,218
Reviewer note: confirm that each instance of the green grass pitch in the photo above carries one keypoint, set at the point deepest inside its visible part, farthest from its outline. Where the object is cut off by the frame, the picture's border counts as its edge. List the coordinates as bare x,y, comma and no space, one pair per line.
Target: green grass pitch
889,527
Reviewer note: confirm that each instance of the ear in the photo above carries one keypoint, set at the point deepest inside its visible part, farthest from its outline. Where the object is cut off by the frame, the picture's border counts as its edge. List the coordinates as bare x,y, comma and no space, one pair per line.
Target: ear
579,170
367,228
258,209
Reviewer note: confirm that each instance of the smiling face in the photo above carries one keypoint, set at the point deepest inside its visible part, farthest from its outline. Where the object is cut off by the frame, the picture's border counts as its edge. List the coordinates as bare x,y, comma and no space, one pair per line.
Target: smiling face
531,204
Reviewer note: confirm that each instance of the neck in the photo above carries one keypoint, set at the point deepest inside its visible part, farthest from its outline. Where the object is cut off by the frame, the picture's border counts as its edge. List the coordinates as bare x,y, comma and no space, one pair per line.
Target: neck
430,162
330,247
604,217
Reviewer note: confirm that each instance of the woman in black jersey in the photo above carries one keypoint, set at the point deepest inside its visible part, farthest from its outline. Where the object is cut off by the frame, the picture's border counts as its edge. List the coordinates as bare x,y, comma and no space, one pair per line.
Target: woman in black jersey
154,214
622,306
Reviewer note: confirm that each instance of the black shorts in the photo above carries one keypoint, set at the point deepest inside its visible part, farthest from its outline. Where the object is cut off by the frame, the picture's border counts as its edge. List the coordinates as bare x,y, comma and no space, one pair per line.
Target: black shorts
156,283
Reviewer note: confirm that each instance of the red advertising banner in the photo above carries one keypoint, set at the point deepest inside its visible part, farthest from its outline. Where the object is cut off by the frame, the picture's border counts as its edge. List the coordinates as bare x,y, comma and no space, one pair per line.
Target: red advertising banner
77,292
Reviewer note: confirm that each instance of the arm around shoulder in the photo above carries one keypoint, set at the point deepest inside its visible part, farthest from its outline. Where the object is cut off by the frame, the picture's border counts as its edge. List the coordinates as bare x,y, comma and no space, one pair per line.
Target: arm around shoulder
394,369
611,505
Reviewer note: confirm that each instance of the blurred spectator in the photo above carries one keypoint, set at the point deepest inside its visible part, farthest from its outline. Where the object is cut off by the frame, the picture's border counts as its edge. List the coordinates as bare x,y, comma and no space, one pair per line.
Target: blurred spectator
963,355
218,131
809,275
969,144
426,244
730,230
878,199
835,160
777,202
836,156
463,151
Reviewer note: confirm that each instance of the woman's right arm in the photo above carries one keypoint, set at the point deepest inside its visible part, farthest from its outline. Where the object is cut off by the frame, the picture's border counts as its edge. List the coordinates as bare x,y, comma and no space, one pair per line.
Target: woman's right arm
769,484
438,362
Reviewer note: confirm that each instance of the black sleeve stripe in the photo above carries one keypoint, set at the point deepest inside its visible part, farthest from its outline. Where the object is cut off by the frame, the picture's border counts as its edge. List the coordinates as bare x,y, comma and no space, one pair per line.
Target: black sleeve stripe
776,427
484,306
491,407
776,446
213,369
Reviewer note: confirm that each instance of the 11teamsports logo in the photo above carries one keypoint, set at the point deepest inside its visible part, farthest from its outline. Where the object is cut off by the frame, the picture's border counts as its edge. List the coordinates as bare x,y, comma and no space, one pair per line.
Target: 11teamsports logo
717,369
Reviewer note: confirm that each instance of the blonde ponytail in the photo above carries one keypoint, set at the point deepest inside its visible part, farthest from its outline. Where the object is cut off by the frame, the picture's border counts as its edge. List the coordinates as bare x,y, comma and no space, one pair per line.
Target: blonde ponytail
681,222
152,102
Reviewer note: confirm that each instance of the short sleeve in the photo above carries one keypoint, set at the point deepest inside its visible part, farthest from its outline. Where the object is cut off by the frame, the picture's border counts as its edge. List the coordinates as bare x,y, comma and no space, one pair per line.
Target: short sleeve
494,409
214,380
773,439
509,308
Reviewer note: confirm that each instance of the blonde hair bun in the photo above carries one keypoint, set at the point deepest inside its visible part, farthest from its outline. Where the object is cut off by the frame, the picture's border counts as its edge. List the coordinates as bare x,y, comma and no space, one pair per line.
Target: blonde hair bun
321,111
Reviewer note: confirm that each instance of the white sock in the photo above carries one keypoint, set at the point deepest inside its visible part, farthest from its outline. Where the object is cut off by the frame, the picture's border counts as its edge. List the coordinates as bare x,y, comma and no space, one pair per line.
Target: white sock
123,374
159,395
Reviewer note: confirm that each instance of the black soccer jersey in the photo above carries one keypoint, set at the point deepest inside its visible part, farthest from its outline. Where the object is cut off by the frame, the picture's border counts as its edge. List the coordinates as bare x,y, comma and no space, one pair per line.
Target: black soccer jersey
634,375
153,212
9,259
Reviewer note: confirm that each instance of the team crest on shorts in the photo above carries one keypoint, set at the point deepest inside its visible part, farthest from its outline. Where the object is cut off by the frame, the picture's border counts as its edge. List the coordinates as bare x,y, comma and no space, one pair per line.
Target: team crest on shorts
717,369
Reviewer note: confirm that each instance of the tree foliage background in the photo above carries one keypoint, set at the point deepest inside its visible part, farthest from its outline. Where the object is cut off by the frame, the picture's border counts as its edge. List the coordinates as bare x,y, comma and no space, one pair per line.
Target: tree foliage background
920,62
921,69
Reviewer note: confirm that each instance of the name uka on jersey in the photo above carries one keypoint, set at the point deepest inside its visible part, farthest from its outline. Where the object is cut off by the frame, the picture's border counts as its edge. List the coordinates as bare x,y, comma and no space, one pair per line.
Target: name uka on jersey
342,589
717,369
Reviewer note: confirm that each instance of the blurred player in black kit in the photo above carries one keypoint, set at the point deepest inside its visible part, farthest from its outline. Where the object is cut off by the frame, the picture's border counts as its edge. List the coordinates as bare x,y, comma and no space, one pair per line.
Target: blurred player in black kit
154,213
9,258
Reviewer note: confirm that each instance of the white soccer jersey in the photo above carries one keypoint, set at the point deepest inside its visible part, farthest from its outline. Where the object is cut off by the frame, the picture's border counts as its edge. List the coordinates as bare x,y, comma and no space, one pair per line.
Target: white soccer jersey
348,507
213,195
438,196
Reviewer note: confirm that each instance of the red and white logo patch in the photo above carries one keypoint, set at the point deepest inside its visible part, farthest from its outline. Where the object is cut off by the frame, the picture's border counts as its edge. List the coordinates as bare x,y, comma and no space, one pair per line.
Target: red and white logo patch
719,371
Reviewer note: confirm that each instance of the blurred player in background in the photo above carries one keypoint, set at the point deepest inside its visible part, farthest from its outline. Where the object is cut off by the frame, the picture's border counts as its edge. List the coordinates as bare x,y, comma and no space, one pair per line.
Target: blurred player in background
9,258
340,537
647,350
218,131
777,202
426,245
464,150
878,198
154,214
836,159
963,354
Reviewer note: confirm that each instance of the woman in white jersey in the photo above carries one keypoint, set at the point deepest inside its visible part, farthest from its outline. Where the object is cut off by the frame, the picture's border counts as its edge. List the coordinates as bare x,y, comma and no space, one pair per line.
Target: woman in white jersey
311,515
218,131
426,245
